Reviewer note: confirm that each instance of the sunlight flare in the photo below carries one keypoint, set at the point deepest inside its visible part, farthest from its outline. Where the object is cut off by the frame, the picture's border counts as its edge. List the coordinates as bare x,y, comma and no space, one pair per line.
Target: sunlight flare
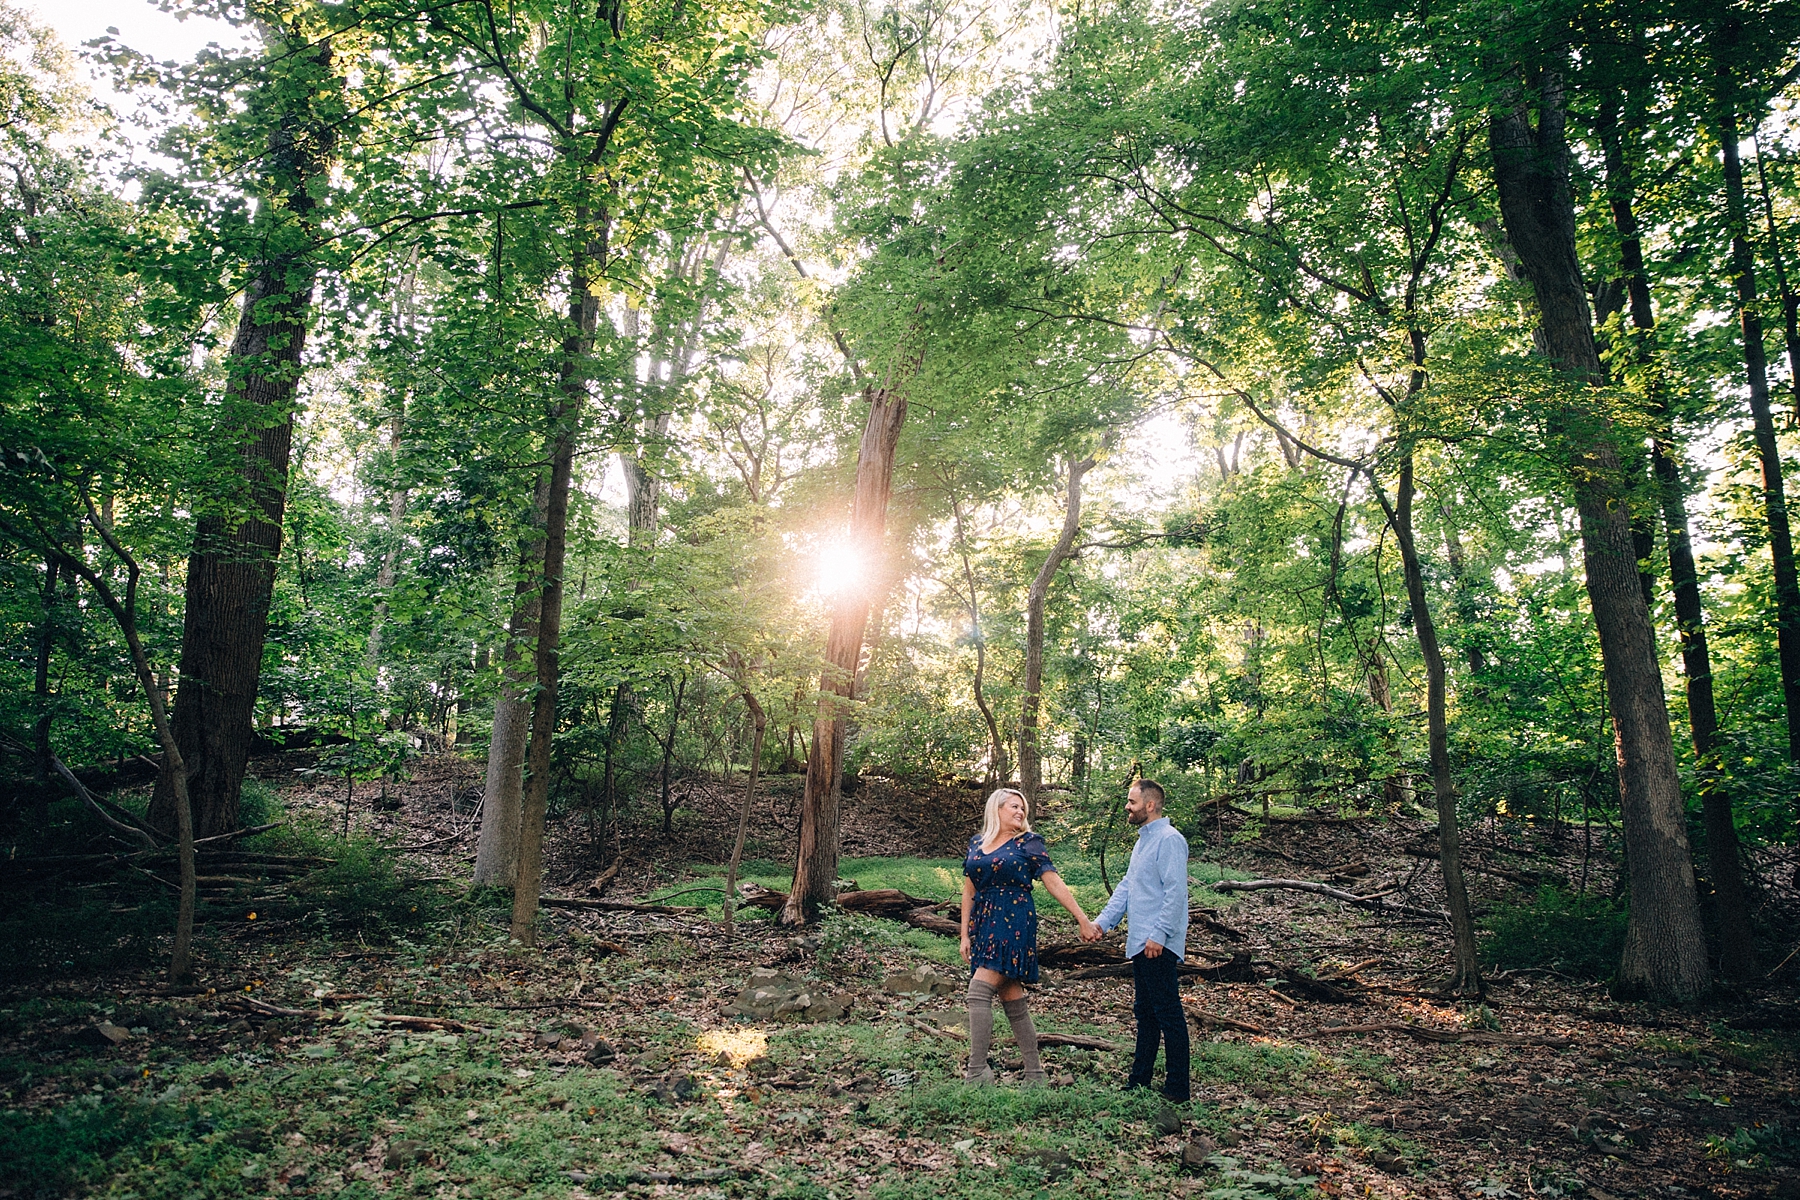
840,568
739,1045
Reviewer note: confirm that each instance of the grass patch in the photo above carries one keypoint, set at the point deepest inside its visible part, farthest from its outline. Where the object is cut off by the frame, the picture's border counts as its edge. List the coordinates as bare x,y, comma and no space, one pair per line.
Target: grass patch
1563,931
357,1111
941,879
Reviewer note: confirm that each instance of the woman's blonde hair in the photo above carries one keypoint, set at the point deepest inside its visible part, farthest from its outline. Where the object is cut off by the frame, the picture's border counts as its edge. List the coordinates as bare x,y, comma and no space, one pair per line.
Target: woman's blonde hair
990,819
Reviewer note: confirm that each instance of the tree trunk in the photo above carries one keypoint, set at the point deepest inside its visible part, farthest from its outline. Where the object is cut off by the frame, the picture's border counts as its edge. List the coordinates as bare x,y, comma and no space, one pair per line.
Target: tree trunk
668,756
998,768
617,720
1466,611
1737,946
497,850
231,572
1790,299
181,962
1396,789
1665,948
1768,451
1031,769
1466,979
760,724
815,861
384,575
584,312
40,731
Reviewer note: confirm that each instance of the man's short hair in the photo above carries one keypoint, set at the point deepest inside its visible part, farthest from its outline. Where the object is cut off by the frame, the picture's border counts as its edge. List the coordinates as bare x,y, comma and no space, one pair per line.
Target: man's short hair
1152,791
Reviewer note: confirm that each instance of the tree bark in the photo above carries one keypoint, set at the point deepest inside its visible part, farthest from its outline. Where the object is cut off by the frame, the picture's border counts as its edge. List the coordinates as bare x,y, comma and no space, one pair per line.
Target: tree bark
584,312
1768,450
40,731
1665,949
1031,767
815,861
759,723
231,572
1466,979
668,757
384,575
1737,946
497,848
1790,299
998,768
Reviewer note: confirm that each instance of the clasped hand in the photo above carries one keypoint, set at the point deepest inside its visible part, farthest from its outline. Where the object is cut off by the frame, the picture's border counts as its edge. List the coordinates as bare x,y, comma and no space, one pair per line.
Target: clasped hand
1091,932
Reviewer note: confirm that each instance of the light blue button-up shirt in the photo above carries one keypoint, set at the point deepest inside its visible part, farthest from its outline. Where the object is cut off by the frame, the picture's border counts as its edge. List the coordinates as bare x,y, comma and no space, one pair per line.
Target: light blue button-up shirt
1153,896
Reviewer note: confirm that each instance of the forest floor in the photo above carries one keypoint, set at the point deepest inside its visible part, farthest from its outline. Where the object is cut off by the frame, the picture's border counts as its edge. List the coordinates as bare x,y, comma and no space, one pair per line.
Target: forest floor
436,1060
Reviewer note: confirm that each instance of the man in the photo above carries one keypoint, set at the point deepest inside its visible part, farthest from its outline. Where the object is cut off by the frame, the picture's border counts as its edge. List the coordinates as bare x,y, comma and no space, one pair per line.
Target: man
1153,897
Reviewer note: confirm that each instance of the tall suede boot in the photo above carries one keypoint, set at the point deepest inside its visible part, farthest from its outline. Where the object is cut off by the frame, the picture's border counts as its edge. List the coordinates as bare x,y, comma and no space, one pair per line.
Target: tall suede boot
1025,1033
981,1031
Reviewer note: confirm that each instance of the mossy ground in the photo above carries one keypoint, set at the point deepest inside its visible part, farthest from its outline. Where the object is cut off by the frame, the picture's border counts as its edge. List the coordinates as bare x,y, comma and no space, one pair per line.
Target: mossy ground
210,1099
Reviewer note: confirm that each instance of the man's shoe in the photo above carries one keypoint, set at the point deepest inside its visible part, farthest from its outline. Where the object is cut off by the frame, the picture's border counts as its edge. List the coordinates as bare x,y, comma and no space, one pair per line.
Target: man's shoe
982,1078
1172,1098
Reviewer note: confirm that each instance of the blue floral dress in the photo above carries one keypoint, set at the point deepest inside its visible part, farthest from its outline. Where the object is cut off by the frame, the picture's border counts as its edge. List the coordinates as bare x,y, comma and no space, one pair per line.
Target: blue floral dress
1003,920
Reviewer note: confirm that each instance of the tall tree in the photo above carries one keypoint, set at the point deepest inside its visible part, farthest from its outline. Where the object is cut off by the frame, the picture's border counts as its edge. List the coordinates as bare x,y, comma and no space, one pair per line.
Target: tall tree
815,862
231,573
641,107
1727,104
1665,948
1031,773
1616,123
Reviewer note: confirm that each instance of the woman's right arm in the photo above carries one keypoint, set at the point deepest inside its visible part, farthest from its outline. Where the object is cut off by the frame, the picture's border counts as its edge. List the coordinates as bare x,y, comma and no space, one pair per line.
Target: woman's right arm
968,905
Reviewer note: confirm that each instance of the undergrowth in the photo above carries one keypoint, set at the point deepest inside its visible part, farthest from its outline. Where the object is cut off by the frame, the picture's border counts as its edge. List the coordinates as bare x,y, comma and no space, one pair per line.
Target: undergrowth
86,923
1563,931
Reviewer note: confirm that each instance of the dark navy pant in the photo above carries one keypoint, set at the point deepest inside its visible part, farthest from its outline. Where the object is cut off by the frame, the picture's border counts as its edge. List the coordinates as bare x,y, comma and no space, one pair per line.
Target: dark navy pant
1160,1021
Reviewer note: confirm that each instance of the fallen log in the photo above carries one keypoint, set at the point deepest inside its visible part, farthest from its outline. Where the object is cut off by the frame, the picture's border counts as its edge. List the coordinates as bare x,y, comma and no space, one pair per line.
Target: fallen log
590,905
933,922
1106,953
1204,918
1238,970
1294,981
889,903
399,1020
883,902
1330,893
604,879
1425,1033
1212,1018
1080,1041
1526,879
1308,819
927,1027
757,896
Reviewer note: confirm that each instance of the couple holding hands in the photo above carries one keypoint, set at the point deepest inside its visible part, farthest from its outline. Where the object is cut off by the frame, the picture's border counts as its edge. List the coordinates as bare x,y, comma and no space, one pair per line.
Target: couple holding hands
999,932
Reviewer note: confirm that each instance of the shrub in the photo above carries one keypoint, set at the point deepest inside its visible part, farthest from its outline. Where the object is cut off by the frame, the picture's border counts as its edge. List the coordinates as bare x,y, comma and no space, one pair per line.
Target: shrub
1575,934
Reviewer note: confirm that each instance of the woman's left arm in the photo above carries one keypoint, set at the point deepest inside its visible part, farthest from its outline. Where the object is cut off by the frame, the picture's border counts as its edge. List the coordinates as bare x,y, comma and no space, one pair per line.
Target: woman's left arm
1060,892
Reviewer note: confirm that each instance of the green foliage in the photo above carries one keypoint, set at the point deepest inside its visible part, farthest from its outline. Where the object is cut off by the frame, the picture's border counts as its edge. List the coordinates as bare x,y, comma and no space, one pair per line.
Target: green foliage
52,1153
67,930
1237,1181
365,890
1576,934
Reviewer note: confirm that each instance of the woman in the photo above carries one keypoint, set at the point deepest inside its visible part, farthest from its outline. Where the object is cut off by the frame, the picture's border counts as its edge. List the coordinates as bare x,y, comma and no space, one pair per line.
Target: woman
999,927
